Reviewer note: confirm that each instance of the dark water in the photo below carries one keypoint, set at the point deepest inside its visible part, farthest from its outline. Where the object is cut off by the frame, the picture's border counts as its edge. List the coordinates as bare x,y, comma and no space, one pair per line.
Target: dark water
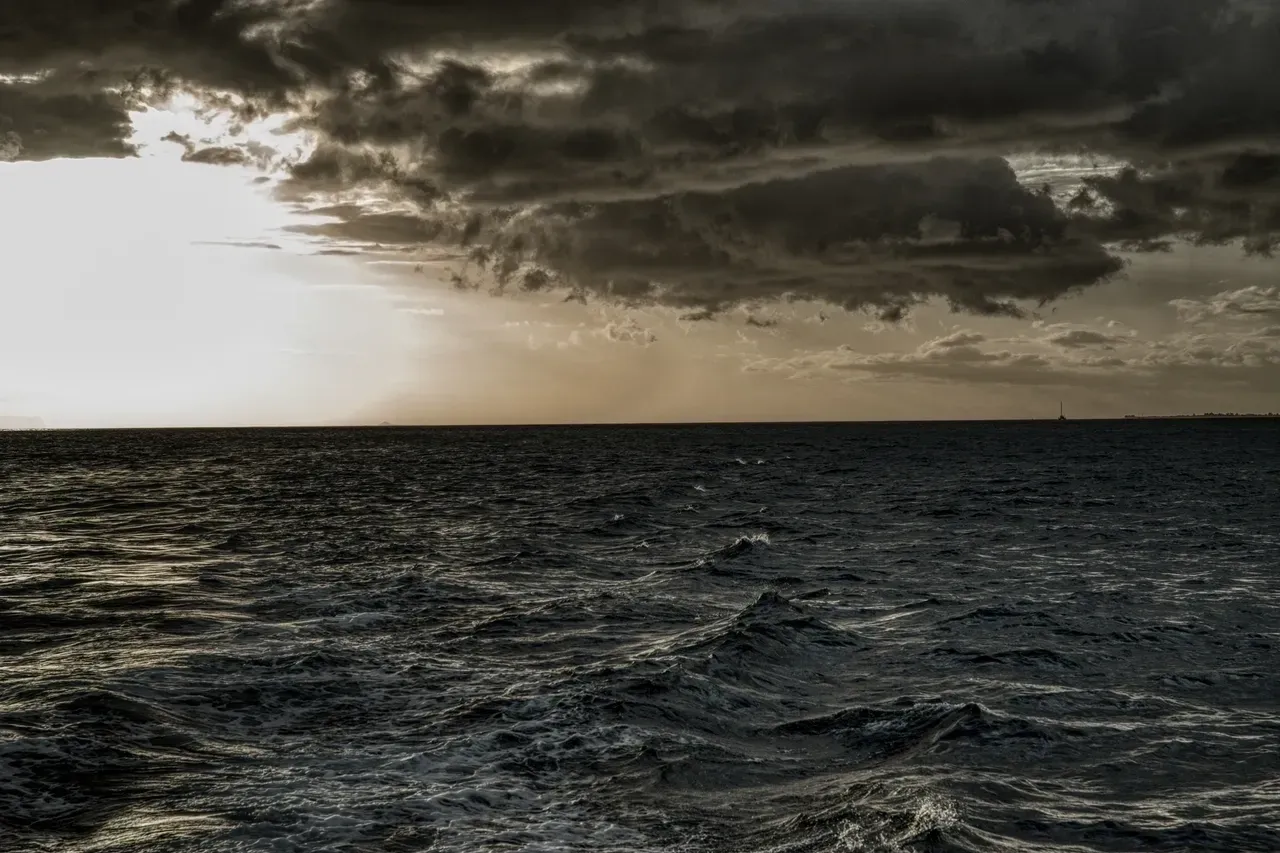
1034,637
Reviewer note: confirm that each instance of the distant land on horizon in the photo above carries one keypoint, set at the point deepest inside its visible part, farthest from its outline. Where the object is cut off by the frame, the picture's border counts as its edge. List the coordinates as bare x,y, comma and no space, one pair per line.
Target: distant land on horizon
1204,416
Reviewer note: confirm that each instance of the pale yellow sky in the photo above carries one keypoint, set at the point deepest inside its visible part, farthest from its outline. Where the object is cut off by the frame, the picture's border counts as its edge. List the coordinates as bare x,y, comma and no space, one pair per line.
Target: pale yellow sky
143,292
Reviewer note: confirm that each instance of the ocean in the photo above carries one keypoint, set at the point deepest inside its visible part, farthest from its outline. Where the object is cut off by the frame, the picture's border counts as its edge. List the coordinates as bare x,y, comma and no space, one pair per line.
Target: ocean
884,637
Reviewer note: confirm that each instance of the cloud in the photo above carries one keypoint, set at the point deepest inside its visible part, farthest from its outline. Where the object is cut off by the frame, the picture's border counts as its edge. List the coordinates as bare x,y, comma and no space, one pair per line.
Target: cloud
1208,361
600,101
849,237
1251,303
631,90
71,69
224,44
10,146
39,123
956,339
1255,350
351,223
705,155
950,358
218,155
619,98
1213,199
629,332
1084,338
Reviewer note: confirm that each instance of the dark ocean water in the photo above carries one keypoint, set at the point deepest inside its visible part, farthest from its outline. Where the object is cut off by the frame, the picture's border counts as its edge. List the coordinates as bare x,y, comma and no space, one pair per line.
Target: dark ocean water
1000,637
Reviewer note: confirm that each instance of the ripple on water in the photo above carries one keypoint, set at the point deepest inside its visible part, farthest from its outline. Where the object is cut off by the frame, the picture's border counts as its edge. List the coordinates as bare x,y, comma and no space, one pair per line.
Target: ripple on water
792,638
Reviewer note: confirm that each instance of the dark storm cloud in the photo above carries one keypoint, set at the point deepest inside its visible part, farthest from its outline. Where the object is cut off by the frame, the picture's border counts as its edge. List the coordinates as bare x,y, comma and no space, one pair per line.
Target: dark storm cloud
657,84
217,155
683,100
227,44
331,167
710,157
69,69
222,155
1213,200
850,236
711,154
36,124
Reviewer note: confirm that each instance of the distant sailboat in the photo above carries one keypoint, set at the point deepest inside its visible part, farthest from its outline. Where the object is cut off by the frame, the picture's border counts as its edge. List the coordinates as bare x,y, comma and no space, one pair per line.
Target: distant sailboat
1061,415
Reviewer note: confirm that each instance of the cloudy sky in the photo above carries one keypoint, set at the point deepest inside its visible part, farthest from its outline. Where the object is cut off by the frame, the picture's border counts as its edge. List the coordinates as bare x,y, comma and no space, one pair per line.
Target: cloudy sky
438,211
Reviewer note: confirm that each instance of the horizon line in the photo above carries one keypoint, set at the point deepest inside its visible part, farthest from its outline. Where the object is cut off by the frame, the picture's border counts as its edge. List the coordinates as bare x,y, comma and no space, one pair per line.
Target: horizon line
647,424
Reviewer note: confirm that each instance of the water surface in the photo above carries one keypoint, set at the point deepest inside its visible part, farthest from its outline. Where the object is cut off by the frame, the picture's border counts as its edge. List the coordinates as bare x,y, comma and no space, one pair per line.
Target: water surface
987,637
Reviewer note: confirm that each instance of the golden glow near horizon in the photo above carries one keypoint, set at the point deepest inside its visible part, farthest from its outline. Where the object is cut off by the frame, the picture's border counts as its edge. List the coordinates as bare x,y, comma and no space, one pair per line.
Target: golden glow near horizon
131,294
146,292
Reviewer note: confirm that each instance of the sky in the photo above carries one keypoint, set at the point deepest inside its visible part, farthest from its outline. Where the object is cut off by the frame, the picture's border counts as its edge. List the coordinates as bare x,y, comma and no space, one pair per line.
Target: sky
252,212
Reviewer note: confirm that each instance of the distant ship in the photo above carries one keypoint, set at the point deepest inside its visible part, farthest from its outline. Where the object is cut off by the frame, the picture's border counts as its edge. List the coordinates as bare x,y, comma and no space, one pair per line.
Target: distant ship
1061,415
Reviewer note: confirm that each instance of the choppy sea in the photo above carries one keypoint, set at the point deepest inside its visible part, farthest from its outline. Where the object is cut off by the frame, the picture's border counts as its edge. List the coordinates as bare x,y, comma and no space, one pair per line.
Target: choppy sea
737,639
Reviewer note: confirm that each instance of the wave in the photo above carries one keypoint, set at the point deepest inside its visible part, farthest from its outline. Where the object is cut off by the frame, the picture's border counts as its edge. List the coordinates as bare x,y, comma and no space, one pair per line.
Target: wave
886,639
741,545
72,764
769,628
1024,657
